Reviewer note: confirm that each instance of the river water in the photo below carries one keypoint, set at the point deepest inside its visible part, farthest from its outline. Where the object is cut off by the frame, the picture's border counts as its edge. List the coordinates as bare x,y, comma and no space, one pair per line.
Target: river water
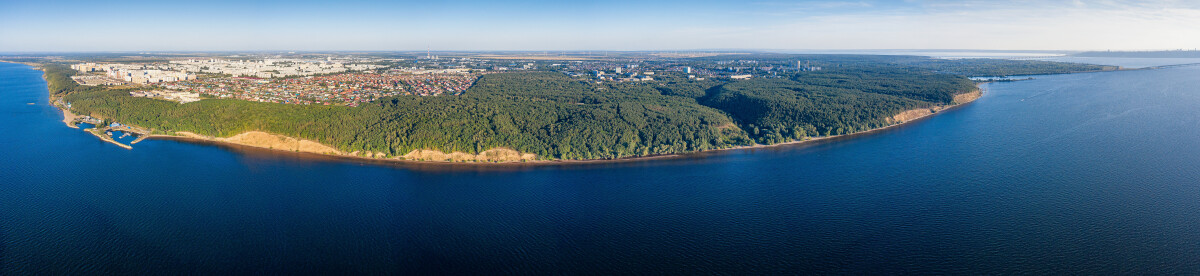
1095,173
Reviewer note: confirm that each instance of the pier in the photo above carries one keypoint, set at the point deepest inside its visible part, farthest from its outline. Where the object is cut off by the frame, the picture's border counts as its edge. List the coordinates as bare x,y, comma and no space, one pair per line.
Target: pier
103,132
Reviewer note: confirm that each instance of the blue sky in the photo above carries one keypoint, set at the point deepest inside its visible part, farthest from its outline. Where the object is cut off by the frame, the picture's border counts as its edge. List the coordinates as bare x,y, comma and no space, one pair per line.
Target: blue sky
31,25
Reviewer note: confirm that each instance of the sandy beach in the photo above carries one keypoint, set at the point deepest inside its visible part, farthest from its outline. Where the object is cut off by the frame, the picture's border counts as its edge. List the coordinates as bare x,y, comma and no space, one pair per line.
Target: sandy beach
68,118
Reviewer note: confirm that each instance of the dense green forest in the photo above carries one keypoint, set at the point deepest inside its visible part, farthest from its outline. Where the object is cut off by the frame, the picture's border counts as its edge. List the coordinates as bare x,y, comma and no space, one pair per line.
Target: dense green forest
557,117
542,113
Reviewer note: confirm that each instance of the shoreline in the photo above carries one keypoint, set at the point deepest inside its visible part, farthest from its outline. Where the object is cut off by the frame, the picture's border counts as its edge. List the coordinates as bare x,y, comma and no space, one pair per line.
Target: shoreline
938,109
348,156
103,137
68,118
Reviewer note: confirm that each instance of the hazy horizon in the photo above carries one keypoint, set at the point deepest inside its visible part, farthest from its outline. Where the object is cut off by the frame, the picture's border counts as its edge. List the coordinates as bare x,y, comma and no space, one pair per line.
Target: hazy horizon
595,51
533,25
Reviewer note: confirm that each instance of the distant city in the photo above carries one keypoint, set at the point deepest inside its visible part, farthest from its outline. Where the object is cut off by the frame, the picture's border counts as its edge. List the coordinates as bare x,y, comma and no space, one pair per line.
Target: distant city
355,79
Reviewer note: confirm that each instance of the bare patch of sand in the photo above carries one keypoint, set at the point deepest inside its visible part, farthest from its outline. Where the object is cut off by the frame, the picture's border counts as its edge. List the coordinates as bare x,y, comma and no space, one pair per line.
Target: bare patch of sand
193,135
267,140
272,141
368,154
68,118
492,155
967,97
911,114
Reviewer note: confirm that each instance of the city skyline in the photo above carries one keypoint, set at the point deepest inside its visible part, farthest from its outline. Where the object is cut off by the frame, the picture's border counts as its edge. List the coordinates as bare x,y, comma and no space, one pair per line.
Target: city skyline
55,26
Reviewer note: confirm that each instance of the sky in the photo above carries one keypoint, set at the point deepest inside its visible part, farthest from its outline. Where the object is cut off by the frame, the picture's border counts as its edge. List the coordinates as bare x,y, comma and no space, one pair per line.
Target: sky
567,25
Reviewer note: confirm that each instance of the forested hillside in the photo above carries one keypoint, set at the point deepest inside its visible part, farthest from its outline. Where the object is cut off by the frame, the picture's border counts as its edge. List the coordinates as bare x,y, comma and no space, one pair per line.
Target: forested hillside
546,114
780,110
831,102
557,117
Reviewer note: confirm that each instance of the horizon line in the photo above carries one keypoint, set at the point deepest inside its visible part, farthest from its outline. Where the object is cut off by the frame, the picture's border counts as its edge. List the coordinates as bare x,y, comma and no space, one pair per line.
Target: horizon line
603,50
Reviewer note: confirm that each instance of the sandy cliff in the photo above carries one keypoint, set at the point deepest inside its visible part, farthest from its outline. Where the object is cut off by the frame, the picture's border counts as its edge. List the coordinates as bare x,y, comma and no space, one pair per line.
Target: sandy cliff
279,142
913,114
267,140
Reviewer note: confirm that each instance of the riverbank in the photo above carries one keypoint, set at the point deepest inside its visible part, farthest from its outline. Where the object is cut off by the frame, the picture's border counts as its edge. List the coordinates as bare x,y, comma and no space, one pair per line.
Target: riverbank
903,118
278,142
504,156
68,117
264,140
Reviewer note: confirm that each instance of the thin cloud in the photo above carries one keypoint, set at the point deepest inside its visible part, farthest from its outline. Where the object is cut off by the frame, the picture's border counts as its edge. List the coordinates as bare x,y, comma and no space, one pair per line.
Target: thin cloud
865,24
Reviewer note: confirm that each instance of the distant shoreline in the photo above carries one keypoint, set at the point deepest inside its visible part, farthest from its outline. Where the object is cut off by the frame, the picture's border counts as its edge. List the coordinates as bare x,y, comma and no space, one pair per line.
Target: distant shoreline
1140,54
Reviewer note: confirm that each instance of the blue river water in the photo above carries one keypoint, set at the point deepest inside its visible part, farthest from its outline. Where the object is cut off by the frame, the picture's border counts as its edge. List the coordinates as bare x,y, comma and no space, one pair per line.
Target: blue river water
1095,173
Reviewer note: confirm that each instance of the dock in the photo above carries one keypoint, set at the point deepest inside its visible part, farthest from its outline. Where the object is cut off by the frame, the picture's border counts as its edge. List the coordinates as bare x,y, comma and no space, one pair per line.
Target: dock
102,134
